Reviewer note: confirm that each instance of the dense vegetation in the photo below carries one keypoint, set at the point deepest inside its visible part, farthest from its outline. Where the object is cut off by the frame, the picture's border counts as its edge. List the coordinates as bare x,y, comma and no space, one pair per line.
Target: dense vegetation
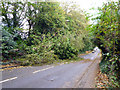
55,31
60,31
107,38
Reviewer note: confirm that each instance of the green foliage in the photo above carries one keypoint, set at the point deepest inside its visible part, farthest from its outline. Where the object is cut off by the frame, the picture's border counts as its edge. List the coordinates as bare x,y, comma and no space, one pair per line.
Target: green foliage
50,47
67,45
7,43
106,33
111,68
40,52
106,29
38,59
53,32
12,17
51,18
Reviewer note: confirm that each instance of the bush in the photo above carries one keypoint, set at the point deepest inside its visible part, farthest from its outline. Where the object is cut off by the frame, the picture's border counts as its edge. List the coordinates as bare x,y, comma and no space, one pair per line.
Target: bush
110,68
67,45
53,32
106,32
38,59
65,51
50,47
7,43
40,52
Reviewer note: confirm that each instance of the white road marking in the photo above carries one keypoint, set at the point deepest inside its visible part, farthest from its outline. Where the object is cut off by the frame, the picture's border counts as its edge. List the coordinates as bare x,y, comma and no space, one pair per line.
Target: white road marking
8,79
43,69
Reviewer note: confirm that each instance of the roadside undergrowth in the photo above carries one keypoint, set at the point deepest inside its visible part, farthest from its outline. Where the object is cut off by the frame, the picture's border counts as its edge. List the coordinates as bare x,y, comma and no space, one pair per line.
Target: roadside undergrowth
101,80
57,62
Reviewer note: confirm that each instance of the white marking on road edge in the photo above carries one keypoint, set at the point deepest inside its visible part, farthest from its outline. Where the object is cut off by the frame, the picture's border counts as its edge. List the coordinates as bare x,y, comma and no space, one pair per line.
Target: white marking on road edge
8,79
43,69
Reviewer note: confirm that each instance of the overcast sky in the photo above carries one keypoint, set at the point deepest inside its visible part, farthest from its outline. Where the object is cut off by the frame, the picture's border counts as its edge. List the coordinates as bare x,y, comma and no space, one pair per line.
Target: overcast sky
87,4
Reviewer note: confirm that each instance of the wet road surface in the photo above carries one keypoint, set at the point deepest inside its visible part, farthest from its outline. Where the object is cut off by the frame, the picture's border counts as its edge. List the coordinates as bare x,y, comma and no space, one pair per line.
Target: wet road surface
49,76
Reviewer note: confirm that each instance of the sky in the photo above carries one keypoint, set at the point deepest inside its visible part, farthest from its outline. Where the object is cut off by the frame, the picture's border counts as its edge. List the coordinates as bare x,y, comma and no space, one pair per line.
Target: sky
88,4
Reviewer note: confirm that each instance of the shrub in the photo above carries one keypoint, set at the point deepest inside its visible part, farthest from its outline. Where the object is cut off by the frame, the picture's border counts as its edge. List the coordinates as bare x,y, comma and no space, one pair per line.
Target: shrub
7,43
38,59
67,45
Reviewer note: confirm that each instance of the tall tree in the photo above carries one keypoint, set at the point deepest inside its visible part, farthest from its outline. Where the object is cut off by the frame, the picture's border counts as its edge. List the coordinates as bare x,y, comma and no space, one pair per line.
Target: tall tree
106,33
13,15
49,17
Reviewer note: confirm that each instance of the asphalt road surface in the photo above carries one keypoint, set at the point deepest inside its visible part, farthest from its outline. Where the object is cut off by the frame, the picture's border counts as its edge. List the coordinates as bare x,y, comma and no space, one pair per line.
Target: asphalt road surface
69,75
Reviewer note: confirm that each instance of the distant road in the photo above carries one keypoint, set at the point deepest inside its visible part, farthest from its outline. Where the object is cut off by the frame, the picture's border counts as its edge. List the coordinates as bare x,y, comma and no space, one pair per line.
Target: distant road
70,75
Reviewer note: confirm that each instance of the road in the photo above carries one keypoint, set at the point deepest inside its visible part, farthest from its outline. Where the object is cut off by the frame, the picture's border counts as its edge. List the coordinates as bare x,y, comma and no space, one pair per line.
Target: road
69,75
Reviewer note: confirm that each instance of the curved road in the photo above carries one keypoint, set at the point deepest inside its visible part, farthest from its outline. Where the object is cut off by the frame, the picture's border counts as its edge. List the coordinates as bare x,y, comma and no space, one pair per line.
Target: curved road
69,75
